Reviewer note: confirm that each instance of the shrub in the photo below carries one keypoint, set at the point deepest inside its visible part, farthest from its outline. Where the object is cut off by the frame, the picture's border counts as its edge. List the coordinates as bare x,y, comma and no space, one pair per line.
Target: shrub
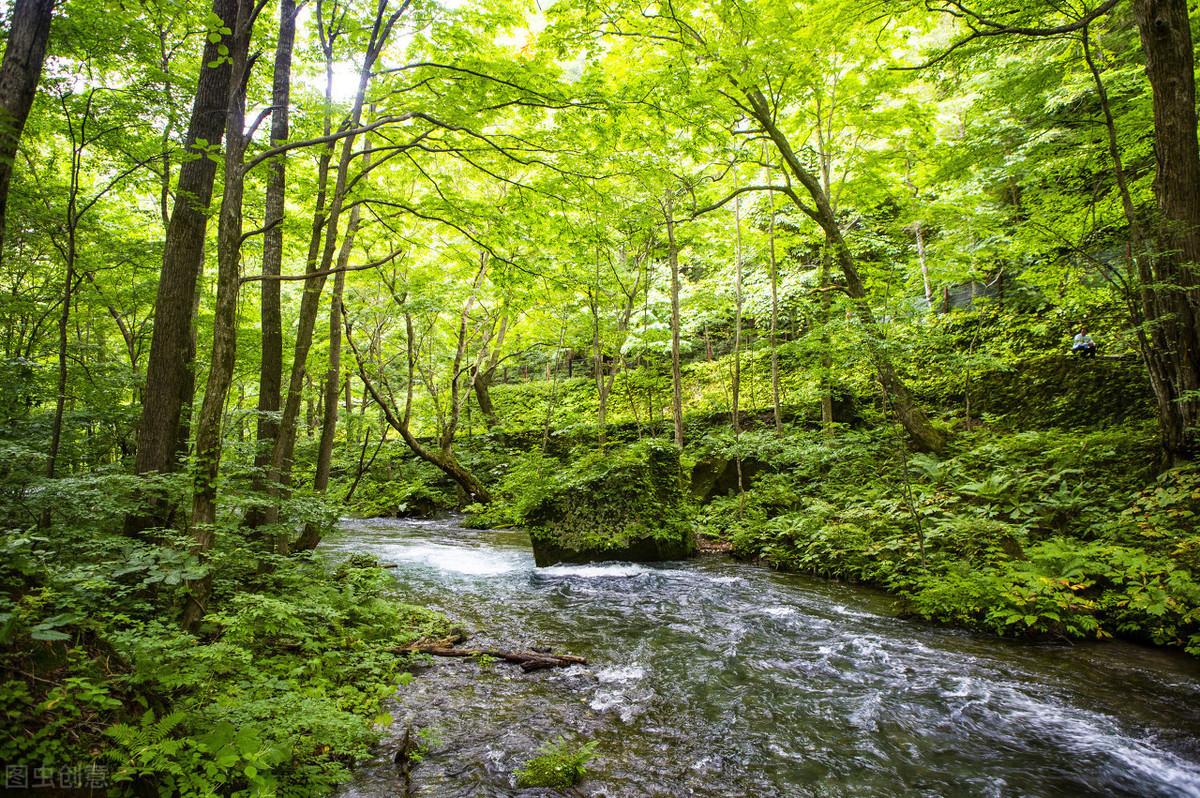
559,764
278,692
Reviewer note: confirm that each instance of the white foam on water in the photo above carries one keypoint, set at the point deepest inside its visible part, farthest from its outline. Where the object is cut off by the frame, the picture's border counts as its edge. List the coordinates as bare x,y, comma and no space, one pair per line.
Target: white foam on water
1076,730
621,673
616,701
1098,735
593,571
454,559
605,700
779,611
866,715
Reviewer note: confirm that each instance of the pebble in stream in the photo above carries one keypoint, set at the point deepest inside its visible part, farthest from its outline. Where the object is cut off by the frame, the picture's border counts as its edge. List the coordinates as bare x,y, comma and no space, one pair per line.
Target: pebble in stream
713,678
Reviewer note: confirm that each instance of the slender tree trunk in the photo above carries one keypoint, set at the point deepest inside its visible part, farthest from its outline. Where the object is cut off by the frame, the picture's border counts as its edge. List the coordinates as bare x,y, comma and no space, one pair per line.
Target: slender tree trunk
364,467
224,347
676,370
63,326
1166,37
311,536
310,409
1142,300
69,252
20,72
826,345
736,382
776,404
333,375
485,372
598,357
443,460
919,234
552,401
170,365
271,364
923,434
281,458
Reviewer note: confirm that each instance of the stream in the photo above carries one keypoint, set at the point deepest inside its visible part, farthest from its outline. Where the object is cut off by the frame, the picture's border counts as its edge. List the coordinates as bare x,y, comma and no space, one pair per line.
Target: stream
718,678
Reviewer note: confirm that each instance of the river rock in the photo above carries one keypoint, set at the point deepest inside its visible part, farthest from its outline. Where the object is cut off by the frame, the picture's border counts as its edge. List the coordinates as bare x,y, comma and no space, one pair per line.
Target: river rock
628,503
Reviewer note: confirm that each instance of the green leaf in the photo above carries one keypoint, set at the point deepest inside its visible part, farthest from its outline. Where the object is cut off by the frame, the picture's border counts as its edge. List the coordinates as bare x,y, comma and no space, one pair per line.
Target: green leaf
40,633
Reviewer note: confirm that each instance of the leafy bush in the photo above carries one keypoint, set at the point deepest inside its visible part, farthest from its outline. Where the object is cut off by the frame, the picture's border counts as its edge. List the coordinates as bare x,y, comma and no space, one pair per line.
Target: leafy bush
559,764
523,483
1044,534
278,692
402,485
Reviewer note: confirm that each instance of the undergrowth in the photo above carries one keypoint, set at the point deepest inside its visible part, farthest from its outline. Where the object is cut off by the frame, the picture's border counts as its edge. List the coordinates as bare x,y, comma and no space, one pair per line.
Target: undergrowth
1044,534
277,693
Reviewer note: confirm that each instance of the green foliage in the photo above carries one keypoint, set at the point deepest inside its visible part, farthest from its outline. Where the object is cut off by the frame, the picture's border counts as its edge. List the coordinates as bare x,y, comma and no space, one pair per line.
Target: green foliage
277,694
524,482
401,485
1042,534
559,764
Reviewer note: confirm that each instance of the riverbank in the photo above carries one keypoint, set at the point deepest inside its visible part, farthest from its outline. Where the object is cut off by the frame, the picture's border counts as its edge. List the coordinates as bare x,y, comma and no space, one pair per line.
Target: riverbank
278,692
1038,534
1043,535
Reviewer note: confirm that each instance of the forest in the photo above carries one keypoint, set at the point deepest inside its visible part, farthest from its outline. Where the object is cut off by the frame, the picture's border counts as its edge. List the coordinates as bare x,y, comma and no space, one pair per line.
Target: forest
898,294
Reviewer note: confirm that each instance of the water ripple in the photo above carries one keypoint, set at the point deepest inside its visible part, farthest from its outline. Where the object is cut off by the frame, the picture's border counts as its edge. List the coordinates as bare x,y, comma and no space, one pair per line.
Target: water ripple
711,678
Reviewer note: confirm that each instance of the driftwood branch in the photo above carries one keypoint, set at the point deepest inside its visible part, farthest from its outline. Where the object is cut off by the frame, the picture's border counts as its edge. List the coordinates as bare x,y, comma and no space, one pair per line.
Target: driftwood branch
528,660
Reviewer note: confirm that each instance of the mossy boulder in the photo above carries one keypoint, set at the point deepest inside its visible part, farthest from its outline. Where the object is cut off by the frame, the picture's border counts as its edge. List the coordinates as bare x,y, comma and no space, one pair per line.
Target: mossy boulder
715,476
628,503
1062,390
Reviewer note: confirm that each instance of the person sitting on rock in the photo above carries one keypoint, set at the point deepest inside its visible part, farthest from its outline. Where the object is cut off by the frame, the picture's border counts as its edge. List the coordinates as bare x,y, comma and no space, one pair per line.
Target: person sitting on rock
1084,346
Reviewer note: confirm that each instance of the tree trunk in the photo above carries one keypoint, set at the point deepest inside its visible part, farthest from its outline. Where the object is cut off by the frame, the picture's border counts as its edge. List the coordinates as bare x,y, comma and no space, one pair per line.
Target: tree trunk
271,366
826,345
1166,38
919,234
69,252
485,372
224,347
443,460
923,434
333,375
676,370
736,383
20,72
776,403
281,457
63,324
598,358
481,383
187,392
311,536
169,364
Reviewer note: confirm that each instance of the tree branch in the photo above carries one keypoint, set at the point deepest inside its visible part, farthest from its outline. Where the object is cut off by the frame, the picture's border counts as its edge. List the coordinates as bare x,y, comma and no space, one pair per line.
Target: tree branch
983,27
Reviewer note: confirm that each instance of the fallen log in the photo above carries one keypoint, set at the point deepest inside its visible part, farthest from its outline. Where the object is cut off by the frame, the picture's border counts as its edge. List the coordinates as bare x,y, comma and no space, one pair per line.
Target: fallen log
528,660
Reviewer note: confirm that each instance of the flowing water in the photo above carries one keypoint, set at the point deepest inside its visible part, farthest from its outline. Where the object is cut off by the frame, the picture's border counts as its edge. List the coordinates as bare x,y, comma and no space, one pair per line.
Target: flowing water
716,678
